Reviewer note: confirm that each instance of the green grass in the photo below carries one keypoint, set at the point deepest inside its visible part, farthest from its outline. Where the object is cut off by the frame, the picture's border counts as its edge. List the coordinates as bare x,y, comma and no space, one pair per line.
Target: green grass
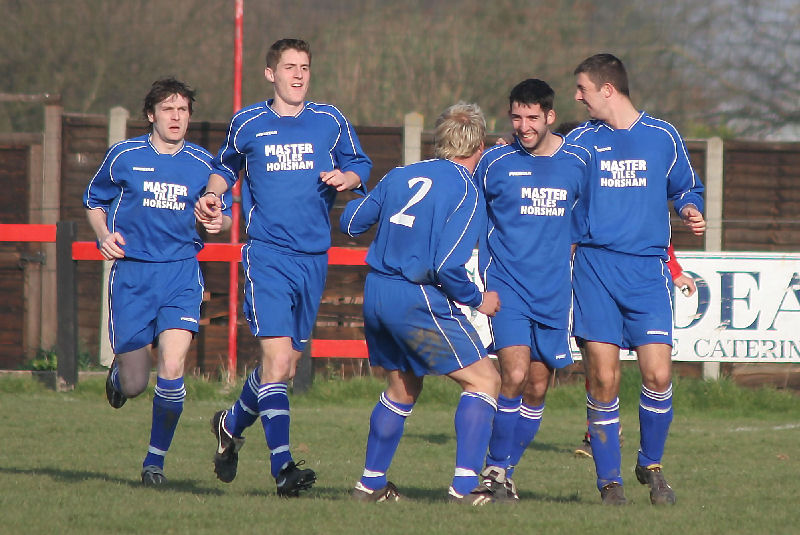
70,464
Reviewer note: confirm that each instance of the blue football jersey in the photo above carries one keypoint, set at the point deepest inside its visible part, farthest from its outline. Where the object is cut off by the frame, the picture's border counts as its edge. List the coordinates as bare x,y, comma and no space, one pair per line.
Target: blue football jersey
635,172
532,225
284,202
429,218
149,198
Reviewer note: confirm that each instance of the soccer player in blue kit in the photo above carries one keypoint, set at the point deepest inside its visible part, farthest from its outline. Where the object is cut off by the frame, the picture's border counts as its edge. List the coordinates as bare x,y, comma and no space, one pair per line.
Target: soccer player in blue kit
530,187
429,216
140,205
295,155
622,288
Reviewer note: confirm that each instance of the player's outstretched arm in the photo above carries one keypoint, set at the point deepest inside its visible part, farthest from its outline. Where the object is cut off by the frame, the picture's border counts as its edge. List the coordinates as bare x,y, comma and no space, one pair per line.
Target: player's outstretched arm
108,243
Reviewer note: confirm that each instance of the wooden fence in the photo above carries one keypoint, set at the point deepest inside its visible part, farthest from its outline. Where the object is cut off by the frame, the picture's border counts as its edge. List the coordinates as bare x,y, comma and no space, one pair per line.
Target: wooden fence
752,186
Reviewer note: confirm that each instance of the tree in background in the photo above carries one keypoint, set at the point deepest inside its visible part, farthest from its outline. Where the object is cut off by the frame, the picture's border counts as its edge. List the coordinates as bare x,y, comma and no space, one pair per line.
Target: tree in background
719,66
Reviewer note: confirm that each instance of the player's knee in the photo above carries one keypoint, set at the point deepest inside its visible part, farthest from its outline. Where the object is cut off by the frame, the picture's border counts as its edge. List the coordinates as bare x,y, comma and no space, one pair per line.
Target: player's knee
657,382
604,387
171,370
514,378
536,390
602,382
278,368
132,386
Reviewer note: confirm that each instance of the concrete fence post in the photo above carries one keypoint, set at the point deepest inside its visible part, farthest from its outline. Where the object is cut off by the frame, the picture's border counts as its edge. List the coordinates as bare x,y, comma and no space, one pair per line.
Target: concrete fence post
713,213
50,215
117,131
412,138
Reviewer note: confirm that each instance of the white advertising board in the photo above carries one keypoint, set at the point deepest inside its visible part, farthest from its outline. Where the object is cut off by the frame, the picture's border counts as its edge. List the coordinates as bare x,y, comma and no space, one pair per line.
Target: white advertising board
746,308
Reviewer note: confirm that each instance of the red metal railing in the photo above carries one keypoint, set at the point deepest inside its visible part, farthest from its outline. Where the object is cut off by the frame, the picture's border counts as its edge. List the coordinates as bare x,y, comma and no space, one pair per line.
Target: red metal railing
212,252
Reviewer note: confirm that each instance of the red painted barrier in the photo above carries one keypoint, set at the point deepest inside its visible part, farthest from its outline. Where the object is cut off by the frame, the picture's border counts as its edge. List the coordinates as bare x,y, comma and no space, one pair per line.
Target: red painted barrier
32,233
212,252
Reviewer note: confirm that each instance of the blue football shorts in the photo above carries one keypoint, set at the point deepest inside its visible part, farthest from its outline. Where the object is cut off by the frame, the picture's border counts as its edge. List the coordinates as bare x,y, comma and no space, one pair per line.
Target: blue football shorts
621,299
513,326
416,328
147,298
282,292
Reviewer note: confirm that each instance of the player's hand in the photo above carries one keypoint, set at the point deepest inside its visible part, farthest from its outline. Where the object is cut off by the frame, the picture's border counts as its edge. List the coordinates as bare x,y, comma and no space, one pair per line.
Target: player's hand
207,208
686,284
339,180
212,225
693,219
505,139
490,305
110,246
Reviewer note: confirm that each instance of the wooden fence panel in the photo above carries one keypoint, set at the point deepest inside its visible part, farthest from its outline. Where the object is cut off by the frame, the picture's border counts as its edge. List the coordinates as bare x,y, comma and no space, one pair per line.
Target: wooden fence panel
14,183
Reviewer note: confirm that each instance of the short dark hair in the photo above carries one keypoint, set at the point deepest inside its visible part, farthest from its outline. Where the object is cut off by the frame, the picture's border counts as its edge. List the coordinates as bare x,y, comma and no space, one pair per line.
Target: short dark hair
279,47
163,89
532,91
605,69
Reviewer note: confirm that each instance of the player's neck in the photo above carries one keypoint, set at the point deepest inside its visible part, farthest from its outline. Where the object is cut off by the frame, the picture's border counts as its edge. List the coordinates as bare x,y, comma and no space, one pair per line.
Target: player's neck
622,115
286,109
165,147
470,162
548,146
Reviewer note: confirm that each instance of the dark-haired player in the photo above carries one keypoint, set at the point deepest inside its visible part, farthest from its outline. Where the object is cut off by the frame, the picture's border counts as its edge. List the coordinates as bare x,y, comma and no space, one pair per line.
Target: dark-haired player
530,187
140,204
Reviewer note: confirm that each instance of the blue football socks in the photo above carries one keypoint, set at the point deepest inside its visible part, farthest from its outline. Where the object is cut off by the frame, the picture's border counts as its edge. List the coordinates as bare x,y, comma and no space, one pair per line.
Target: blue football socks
273,407
473,421
503,429
244,411
530,418
655,417
167,409
604,432
385,431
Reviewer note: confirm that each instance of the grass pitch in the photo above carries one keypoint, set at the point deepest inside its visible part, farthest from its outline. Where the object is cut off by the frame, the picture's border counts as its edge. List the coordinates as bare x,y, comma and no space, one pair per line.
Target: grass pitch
70,464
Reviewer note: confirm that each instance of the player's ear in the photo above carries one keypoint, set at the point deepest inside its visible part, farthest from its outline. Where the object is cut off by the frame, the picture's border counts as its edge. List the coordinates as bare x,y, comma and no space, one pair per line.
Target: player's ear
269,75
551,117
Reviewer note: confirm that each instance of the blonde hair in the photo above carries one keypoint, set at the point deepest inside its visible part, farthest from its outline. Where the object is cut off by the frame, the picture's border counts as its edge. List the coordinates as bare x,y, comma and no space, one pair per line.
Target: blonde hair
460,131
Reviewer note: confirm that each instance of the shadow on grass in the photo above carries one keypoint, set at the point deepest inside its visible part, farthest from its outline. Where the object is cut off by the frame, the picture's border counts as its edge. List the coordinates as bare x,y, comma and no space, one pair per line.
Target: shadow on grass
545,446
549,498
75,476
433,496
433,438
413,494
